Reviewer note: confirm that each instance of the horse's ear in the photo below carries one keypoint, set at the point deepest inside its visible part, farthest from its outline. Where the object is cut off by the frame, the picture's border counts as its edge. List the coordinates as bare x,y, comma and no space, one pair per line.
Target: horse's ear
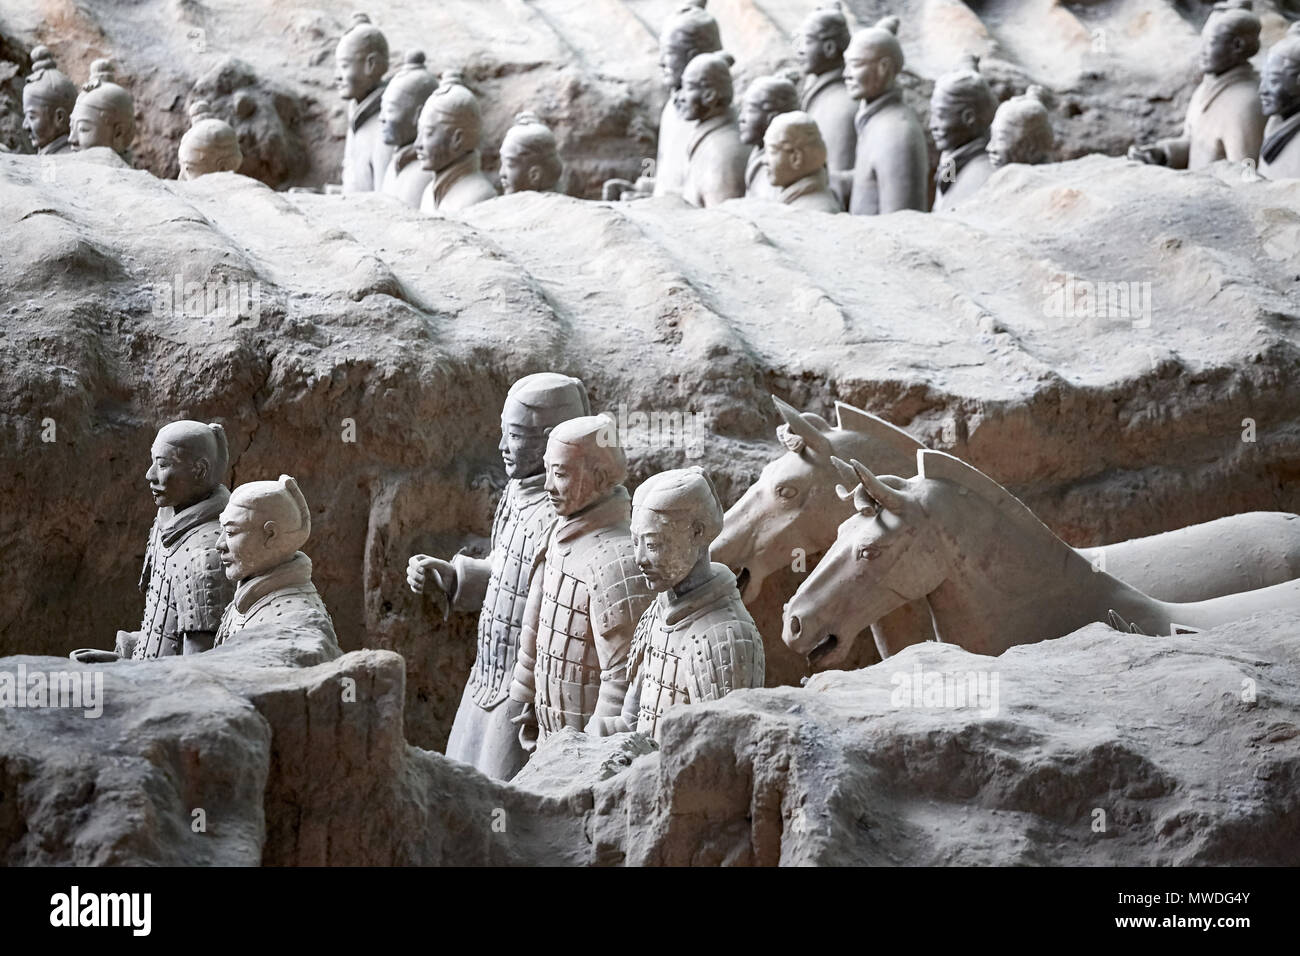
887,498
799,427
877,429
848,477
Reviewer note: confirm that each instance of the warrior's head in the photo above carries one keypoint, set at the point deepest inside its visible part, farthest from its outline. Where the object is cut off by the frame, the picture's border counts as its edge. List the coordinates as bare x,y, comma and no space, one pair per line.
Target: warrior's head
104,114
48,100
360,59
1279,85
534,406
451,124
706,89
873,60
767,96
688,33
405,94
1022,130
584,462
1230,36
262,526
961,107
822,40
530,156
188,461
675,517
211,145
794,148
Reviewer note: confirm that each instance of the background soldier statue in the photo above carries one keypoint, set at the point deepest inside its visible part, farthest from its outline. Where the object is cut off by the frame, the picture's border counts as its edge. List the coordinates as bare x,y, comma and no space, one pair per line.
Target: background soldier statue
483,733
587,592
821,46
399,111
360,62
767,97
961,111
262,527
48,100
1224,120
1022,130
715,156
1279,95
796,163
696,642
104,114
185,589
530,157
451,127
210,145
892,167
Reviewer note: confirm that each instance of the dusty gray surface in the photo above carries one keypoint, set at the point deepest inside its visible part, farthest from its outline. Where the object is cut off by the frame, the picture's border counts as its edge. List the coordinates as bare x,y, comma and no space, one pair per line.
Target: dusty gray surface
414,328
1103,749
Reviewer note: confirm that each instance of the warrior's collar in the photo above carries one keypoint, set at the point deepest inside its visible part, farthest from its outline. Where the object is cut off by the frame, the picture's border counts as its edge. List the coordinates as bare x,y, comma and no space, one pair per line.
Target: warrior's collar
705,127
172,526
452,173
362,110
294,573
1213,84
866,110
814,84
674,609
815,182
614,508
54,145
953,161
1275,140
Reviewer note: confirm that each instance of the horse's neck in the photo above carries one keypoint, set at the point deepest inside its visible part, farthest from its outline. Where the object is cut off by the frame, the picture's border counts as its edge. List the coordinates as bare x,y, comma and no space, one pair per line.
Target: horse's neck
1010,580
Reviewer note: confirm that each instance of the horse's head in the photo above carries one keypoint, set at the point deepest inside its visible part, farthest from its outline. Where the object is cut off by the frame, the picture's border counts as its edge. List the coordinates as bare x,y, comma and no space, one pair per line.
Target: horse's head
885,555
793,504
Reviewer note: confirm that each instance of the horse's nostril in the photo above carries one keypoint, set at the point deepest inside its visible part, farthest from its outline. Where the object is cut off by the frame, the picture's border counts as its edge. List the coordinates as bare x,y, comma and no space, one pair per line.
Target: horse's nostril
794,624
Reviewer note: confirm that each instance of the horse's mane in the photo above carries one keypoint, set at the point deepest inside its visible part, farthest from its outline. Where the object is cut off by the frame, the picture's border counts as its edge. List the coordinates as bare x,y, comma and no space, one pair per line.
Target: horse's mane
938,464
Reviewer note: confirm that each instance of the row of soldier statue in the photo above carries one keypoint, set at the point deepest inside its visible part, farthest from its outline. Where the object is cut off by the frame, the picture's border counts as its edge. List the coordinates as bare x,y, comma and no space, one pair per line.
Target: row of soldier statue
845,141
596,610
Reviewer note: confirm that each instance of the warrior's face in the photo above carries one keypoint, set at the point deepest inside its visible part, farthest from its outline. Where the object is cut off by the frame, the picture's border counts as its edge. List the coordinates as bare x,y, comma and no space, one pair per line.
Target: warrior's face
697,98
90,128
1222,48
356,71
438,143
249,545
523,449
666,548
817,52
673,57
572,480
755,115
176,479
1279,86
397,120
42,122
868,70
951,123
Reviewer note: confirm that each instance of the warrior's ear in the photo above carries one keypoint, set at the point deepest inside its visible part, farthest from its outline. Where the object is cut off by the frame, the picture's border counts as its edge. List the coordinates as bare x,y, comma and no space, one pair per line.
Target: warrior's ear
269,531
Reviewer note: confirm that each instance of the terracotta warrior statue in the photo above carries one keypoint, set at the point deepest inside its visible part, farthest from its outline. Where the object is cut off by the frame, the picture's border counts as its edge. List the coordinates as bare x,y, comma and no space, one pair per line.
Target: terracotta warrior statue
263,526
360,62
1022,130
696,642
796,163
1279,95
530,156
48,101
185,591
961,112
210,145
1224,120
766,97
892,168
715,156
104,114
451,126
399,111
821,46
690,31
483,733
587,592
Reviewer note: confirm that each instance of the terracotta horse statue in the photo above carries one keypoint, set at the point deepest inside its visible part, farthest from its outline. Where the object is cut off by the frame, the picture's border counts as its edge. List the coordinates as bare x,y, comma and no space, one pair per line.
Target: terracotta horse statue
994,575
793,505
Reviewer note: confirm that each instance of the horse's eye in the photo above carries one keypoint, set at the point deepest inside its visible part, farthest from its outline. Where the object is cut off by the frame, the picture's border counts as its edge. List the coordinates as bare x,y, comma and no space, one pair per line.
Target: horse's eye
787,491
866,552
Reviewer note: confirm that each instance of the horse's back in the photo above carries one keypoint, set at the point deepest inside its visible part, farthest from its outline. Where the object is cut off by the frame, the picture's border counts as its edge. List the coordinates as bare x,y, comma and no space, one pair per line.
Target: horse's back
1237,553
